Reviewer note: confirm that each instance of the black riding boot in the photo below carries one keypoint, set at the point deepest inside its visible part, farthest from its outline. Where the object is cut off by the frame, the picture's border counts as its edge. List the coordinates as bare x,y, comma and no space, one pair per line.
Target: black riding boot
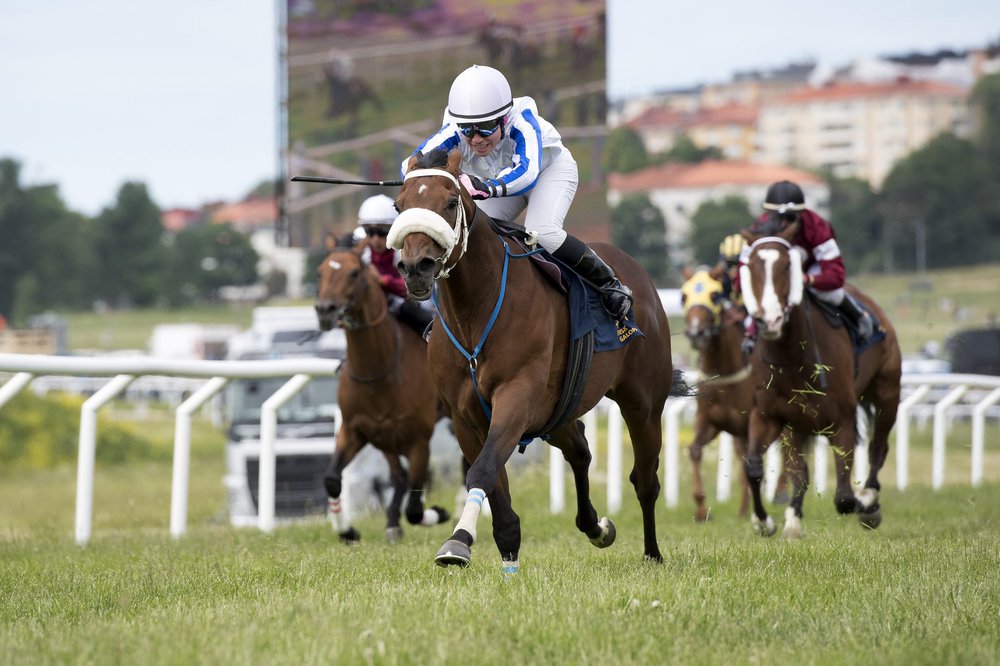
414,316
616,297
859,317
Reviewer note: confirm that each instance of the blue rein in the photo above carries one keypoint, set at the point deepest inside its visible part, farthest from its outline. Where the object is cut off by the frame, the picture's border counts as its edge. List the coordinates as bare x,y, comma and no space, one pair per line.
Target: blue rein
472,357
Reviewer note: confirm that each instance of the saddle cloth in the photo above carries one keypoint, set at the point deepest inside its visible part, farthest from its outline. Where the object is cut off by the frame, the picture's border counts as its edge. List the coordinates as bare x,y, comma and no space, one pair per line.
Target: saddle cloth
836,319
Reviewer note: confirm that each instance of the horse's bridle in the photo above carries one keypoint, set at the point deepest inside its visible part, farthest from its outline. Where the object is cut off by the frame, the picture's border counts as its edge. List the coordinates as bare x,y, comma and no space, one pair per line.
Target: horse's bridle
749,298
460,227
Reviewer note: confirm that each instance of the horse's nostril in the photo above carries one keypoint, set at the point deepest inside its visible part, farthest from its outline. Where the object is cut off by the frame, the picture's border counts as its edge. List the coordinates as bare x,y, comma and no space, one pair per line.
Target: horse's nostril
426,265
402,268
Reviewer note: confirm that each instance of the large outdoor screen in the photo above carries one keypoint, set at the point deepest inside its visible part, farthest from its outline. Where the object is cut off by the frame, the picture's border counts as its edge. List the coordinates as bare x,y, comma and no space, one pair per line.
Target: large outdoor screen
364,83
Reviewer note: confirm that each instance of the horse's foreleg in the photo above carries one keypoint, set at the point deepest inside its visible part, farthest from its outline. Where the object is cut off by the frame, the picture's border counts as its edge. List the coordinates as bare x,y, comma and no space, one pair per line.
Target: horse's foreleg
506,525
704,433
415,512
481,479
762,433
348,445
647,440
842,444
798,471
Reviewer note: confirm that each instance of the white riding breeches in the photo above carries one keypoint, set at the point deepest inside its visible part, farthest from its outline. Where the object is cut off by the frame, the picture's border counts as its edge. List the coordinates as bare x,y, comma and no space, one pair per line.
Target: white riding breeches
547,202
833,297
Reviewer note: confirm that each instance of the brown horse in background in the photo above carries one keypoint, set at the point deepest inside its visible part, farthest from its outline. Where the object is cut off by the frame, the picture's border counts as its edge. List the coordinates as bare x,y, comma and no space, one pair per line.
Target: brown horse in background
806,378
386,394
497,304
725,396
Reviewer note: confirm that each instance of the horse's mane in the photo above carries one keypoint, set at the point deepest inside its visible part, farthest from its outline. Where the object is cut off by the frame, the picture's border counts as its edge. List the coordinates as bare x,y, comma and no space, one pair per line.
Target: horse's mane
436,159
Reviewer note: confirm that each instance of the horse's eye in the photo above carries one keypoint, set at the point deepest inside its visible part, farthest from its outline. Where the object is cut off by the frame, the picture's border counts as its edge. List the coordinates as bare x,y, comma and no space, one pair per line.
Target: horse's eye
355,273
453,203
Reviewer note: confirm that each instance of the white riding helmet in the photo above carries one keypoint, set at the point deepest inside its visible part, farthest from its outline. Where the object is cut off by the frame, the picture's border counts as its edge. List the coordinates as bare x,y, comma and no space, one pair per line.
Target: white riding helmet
479,93
378,209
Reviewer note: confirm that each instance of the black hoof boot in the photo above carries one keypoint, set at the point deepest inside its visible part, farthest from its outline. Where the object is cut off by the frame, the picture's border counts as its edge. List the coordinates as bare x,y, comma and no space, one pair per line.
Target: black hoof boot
453,552
350,537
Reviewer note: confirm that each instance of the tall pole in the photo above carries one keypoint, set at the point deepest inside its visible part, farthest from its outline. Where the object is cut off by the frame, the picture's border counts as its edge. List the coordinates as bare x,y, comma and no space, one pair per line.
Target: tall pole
281,231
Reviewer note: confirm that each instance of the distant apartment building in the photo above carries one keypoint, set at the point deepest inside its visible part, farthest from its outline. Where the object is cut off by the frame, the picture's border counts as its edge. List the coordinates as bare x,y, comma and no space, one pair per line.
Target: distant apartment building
678,190
858,129
730,128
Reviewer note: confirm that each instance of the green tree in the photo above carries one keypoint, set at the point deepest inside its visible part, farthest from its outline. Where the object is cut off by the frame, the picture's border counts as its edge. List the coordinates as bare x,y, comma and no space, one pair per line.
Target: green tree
639,229
985,101
205,258
129,240
941,206
855,216
687,151
713,221
39,248
624,151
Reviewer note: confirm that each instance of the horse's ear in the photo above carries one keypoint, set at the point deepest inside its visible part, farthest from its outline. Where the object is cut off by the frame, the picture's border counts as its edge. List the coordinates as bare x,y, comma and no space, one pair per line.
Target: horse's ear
687,272
410,163
455,161
717,271
749,236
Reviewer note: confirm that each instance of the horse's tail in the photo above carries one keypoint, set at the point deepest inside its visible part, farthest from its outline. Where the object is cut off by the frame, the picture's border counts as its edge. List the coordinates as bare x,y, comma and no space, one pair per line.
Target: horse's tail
680,388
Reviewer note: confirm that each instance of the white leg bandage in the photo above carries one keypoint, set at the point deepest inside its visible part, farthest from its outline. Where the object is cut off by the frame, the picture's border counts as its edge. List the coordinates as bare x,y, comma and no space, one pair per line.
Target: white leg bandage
335,513
470,514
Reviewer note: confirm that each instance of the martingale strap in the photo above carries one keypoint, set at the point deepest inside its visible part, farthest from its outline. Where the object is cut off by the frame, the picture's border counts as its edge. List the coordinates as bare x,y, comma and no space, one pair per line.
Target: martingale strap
473,356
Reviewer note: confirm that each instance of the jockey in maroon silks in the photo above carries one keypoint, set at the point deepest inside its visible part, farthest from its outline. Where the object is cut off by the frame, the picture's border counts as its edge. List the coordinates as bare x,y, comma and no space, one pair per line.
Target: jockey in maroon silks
375,216
823,269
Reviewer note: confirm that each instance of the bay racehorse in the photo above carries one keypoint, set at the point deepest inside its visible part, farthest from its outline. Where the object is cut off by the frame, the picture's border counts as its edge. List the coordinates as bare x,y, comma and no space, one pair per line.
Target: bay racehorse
385,394
499,356
808,377
725,394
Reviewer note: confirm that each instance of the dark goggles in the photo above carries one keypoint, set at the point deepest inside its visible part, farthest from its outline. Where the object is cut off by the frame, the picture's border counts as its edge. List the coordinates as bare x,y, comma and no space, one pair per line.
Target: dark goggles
377,231
484,129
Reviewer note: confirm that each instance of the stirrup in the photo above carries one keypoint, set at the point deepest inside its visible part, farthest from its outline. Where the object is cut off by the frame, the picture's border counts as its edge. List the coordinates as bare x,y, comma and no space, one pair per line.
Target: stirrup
617,300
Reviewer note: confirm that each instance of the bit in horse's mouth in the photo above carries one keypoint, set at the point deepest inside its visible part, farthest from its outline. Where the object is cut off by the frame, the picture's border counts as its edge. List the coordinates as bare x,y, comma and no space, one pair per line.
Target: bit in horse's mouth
421,295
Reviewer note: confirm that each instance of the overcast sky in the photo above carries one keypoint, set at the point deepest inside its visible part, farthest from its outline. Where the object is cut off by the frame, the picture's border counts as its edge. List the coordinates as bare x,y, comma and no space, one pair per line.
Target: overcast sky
180,95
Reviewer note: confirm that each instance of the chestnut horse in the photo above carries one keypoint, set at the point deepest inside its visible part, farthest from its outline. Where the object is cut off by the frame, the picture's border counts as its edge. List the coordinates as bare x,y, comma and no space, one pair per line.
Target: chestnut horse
807,378
725,396
386,394
493,301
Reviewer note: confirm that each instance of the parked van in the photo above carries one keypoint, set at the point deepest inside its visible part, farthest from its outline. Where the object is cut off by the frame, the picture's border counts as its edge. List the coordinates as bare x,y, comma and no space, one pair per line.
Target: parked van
306,425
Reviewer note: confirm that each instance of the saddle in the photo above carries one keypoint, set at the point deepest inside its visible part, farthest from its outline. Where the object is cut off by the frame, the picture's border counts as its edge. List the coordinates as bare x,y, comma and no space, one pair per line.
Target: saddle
836,319
591,327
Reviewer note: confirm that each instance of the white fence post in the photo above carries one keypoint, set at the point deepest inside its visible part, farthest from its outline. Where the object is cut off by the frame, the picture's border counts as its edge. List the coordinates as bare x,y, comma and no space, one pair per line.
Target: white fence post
821,456
723,477
937,464
182,453
903,434
266,465
614,458
557,480
671,430
978,434
87,452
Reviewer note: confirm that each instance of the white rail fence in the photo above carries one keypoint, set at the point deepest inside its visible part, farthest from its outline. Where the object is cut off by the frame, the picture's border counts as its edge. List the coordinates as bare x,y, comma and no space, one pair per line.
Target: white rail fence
930,396
123,371
926,396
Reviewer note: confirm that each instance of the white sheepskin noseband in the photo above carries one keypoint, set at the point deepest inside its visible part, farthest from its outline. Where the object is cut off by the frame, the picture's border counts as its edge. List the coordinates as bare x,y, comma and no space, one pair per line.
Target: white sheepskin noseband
424,221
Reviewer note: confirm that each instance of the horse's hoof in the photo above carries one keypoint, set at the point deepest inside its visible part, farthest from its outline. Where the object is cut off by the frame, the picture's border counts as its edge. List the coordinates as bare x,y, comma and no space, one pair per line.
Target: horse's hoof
871,518
766,528
793,525
394,534
442,514
453,552
604,534
350,537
